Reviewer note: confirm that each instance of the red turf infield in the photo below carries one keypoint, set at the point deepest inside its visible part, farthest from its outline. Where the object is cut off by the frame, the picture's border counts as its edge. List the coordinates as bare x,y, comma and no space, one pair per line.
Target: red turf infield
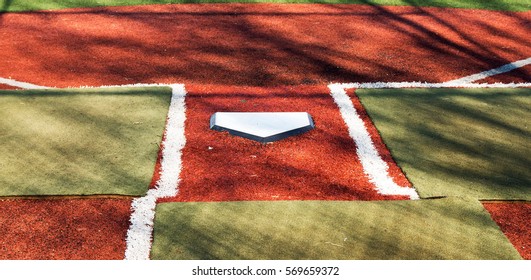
63,228
520,75
513,219
230,48
257,45
2,86
319,165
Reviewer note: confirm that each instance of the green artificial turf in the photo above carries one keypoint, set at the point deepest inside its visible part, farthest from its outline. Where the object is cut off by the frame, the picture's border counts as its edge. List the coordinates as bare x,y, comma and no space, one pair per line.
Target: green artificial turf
457,142
450,228
80,142
28,5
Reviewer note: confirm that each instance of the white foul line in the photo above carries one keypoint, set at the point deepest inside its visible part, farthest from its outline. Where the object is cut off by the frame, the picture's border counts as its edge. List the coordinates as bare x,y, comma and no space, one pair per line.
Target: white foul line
139,235
374,166
465,82
14,83
485,74
397,85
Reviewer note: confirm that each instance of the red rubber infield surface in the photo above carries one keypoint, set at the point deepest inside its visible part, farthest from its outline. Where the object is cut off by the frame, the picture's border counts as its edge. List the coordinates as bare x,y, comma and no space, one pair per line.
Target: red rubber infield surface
321,164
58,229
513,219
4,87
229,53
257,45
520,75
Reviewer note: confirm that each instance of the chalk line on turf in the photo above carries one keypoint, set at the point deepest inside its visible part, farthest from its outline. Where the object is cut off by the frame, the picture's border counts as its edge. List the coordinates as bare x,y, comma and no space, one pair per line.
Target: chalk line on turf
23,85
374,166
485,74
140,232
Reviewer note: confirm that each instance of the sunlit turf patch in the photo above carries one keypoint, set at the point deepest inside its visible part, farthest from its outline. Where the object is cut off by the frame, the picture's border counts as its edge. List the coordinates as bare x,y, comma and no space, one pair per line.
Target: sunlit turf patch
80,142
25,5
450,228
457,142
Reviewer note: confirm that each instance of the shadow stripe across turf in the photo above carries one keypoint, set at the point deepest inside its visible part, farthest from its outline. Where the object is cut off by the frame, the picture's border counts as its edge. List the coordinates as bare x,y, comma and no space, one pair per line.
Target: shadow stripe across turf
457,142
80,142
451,228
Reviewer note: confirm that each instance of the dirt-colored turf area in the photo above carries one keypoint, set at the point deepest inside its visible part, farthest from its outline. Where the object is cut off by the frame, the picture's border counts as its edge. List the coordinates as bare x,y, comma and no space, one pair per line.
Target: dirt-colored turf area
256,45
513,219
520,75
63,228
266,57
2,87
321,164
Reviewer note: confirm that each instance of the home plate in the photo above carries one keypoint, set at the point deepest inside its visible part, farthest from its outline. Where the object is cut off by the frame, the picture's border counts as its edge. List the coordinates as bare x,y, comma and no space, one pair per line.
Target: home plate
262,126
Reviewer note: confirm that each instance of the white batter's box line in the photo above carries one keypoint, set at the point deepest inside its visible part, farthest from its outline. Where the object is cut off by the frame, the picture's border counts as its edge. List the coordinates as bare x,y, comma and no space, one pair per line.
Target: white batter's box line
140,233
374,166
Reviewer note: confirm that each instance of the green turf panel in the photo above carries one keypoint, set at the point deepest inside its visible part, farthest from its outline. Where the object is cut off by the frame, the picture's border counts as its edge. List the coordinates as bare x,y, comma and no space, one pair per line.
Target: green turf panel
80,142
29,5
450,228
457,142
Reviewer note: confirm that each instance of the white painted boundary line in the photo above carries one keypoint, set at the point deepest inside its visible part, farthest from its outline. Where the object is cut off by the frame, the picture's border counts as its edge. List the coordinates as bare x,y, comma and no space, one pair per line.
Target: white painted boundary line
397,85
140,232
139,235
485,74
374,166
14,83
370,85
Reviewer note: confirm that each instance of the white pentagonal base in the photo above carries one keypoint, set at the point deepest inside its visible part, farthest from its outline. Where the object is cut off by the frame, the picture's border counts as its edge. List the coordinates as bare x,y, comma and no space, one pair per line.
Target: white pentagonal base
262,126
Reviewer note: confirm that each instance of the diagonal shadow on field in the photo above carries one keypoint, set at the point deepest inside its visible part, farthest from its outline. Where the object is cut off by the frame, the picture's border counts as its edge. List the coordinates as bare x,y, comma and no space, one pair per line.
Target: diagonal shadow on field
431,38
66,144
429,229
260,45
5,5
452,142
